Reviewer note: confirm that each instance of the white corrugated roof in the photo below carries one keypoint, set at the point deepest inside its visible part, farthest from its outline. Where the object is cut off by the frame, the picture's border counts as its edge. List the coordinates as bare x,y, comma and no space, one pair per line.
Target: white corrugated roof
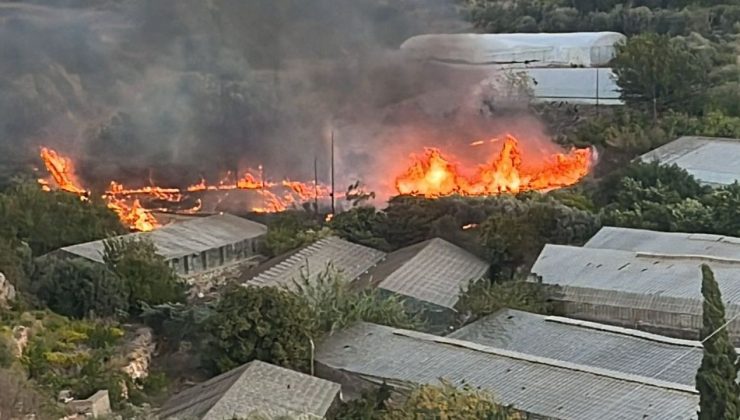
434,271
587,343
185,238
351,260
712,160
537,385
642,274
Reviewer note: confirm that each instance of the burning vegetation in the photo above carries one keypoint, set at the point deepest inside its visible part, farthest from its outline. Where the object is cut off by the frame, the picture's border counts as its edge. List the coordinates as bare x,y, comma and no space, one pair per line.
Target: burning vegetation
129,203
434,175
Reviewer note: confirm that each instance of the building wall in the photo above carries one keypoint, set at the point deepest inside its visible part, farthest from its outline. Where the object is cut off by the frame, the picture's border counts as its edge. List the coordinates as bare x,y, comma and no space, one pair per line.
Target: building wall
656,320
217,257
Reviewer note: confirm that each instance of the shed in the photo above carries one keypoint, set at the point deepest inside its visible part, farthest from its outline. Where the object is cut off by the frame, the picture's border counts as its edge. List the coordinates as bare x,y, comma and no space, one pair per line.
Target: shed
255,387
192,246
652,291
430,277
602,346
711,160
351,260
574,49
366,355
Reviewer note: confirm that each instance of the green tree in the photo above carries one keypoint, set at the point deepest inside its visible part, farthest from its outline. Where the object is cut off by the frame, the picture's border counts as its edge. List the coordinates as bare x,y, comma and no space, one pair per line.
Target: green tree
49,220
336,305
291,230
262,323
484,298
657,73
361,225
716,380
79,288
145,274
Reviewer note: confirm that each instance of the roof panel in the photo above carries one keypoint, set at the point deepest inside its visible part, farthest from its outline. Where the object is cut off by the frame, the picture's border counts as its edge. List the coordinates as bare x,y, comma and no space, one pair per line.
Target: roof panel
352,260
538,386
711,160
185,238
435,272
256,386
586,343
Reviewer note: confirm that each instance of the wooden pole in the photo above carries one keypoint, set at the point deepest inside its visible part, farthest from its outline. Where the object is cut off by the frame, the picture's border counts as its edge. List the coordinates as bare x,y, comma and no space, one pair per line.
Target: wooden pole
333,208
316,184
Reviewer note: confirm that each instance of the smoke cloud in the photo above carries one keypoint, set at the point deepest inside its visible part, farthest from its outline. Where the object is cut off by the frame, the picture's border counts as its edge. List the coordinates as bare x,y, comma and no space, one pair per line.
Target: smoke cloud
172,90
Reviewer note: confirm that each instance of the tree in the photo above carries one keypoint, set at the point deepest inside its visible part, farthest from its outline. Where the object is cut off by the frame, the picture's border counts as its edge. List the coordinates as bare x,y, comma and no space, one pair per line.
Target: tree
361,225
484,298
49,220
145,274
263,323
291,230
78,288
336,306
716,380
657,73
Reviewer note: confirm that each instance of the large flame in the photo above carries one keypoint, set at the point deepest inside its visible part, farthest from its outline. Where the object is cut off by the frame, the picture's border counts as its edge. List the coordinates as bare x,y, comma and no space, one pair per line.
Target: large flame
433,175
62,172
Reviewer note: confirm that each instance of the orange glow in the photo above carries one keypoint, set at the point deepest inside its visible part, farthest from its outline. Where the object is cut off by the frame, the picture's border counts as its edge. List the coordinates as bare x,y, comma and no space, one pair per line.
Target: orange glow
62,172
134,215
433,175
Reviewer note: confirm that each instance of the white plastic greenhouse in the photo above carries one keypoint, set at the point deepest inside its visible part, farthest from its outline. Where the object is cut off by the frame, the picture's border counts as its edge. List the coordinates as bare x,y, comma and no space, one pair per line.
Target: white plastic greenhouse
582,49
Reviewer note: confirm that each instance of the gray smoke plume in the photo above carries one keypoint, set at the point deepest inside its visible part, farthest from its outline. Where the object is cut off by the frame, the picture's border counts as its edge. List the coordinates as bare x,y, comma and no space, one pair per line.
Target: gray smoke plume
172,90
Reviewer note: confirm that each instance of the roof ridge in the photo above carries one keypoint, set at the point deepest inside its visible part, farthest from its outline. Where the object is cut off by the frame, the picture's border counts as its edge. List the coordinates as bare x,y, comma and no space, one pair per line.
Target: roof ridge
546,361
643,254
622,331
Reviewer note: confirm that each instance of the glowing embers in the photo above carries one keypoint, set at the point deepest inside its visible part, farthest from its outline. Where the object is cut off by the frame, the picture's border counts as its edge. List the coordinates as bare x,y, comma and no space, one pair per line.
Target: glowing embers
434,175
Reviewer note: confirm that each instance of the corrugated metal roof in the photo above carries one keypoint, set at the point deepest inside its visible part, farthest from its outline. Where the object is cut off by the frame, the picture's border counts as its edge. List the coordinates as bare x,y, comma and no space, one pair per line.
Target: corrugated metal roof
712,160
352,260
256,386
631,272
185,238
673,243
433,271
539,386
587,343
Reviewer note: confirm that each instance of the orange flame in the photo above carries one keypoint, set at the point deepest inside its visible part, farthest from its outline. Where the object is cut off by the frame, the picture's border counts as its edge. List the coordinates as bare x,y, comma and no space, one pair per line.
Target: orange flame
62,172
434,176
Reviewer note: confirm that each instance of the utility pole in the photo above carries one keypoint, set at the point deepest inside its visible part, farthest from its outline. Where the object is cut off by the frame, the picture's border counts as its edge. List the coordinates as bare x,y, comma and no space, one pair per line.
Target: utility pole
316,184
333,208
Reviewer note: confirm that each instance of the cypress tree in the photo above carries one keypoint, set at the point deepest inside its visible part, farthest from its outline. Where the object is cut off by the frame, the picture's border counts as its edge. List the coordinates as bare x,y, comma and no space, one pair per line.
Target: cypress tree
716,378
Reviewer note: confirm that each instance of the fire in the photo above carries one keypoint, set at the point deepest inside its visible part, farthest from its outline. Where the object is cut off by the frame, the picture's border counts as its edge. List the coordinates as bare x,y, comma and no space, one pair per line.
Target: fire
62,172
433,175
129,208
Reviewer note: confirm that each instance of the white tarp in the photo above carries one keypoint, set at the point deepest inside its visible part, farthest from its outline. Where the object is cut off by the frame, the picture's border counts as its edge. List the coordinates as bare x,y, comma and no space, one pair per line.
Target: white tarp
582,49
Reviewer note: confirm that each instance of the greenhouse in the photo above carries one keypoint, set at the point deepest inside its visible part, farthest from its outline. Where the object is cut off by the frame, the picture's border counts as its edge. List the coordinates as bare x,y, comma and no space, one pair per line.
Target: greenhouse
575,49
656,292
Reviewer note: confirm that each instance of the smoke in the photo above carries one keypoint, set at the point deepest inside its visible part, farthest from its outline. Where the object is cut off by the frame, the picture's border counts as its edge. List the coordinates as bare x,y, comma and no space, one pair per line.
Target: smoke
173,90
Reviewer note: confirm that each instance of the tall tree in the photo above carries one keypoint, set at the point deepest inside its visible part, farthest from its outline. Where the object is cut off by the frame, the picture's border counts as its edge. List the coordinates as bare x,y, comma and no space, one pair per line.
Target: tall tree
716,380
658,73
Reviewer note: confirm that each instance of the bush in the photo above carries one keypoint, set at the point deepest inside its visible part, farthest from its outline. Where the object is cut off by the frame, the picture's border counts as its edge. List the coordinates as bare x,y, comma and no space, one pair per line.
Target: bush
291,230
50,220
262,323
146,275
79,288
336,306
484,298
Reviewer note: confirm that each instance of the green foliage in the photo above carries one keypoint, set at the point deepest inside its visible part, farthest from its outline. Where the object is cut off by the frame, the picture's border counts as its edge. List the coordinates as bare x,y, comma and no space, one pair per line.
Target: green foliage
146,276
49,220
716,379
291,230
447,401
336,306
15,262
79,288
176,322
514,238
361,225
484,298
657,73
444,401
75,355
262,323
6,353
